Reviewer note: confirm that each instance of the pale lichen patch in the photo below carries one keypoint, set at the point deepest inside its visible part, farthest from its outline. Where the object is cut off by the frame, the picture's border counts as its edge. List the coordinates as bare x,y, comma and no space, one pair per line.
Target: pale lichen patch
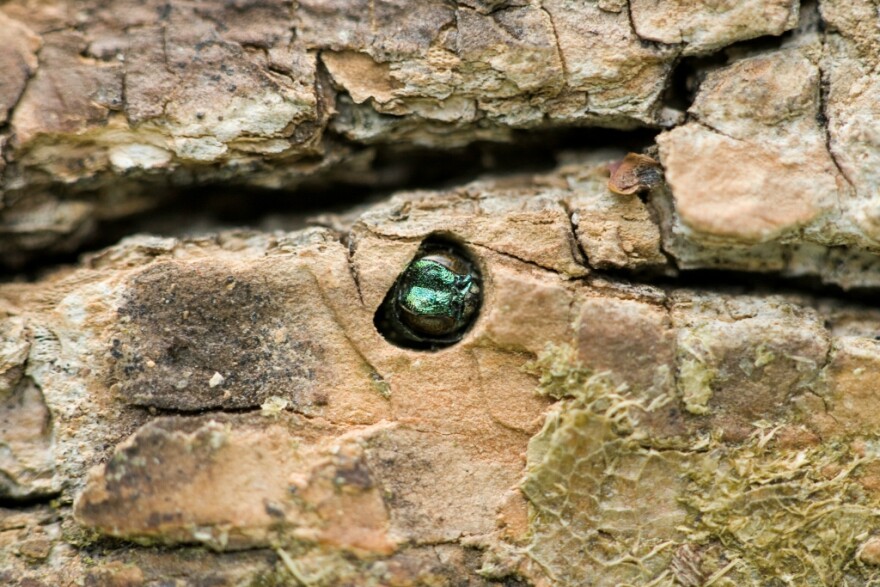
793,515
274,406
695,371
138,156
603,508
695,384
606,509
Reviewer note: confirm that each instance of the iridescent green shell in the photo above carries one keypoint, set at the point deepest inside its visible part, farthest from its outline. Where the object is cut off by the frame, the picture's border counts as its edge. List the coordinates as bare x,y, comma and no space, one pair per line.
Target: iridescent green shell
434,301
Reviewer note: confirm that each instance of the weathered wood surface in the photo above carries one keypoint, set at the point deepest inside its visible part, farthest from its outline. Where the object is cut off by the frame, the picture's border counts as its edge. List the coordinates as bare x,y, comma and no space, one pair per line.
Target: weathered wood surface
105,106
223,411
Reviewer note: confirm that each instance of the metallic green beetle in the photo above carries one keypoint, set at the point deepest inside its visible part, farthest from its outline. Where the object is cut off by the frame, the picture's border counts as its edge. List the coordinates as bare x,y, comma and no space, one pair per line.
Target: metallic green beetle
434,301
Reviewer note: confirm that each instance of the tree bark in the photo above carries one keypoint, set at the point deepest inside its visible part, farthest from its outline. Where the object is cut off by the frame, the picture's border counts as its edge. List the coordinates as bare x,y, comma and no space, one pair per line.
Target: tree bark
106,107
239,409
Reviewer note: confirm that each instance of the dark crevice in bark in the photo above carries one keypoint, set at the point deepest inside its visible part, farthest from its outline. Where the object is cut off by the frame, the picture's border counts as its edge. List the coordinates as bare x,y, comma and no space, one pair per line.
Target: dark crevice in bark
724,281
213,207
689,71
824,117
103,545
28,502
156,412
153,412
687,75
351,245
577,248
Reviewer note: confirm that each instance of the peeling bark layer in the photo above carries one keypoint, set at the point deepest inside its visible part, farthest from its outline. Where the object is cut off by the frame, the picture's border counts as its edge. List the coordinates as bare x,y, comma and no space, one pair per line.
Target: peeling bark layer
104,107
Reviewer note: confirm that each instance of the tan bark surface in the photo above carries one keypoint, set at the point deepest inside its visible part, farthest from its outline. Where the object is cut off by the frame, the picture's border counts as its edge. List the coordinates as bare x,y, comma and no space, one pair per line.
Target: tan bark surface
232,393
104,106
224,411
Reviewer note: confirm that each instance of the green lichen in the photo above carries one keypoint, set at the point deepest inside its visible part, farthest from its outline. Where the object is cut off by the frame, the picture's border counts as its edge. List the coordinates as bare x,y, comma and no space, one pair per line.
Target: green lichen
695,373
763,356
314,570
695,383
607,509
302,565
560,374
380,385
603,507
274,406
790,516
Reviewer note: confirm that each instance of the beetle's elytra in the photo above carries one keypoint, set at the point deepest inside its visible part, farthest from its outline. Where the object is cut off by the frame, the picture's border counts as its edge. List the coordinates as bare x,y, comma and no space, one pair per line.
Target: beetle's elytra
434,301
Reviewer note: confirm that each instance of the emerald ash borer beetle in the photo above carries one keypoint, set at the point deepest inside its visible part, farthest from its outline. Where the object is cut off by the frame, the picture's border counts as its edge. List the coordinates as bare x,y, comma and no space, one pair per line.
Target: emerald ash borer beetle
434,301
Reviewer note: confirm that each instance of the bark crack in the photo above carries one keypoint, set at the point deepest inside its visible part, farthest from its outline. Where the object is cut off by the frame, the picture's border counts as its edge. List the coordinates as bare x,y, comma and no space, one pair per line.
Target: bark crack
521,260
559,52
825,122
632,21
715,130
380,381
351,246
577,248
10,114
30,501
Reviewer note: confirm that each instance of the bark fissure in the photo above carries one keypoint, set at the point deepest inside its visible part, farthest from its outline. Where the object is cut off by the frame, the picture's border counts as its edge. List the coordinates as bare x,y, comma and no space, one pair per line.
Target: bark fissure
520,260
560,55
577,248
27,503
825,122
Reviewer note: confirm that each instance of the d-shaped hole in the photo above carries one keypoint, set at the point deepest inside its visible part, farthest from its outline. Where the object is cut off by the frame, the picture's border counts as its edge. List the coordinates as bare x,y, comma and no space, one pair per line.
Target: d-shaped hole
434,301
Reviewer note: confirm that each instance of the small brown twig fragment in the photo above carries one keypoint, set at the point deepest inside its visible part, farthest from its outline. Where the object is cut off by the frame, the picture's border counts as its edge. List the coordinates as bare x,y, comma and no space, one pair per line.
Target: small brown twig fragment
633,174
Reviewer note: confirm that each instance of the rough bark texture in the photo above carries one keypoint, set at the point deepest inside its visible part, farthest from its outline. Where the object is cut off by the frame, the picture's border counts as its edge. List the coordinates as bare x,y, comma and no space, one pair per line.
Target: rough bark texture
233,392
104,106
222,410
